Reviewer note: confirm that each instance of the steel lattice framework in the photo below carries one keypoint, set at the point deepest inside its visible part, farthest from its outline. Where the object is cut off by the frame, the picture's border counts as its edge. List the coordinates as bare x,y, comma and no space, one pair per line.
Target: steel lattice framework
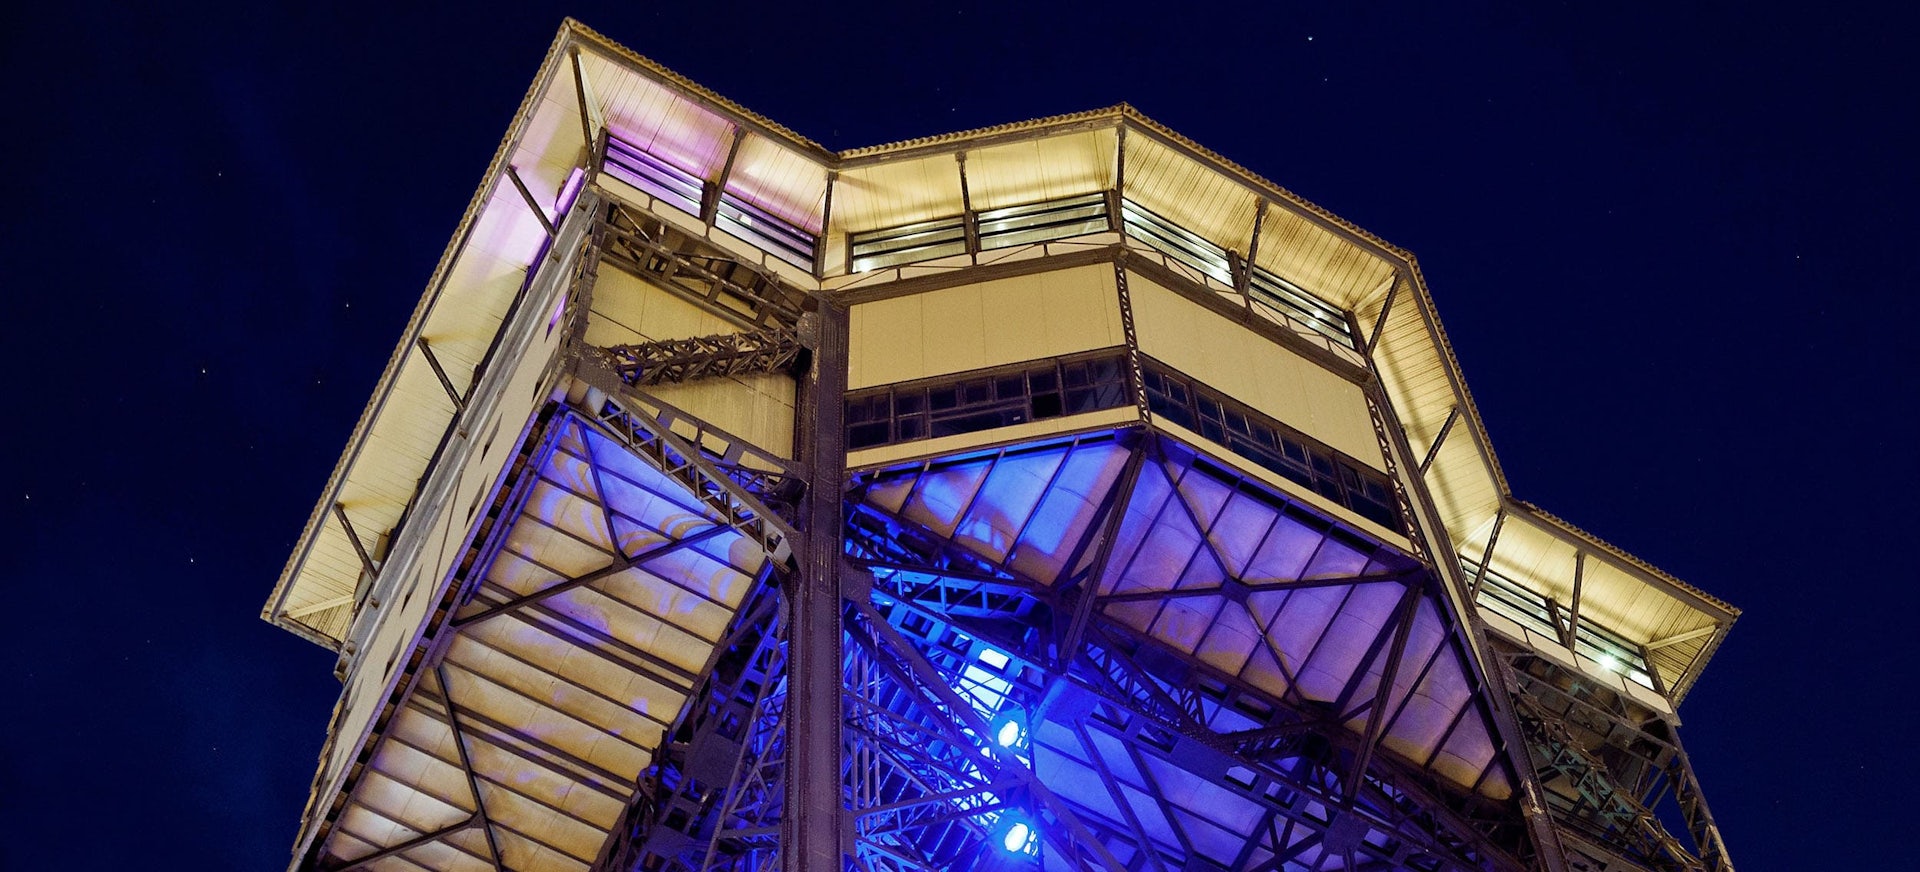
942,640
1095,612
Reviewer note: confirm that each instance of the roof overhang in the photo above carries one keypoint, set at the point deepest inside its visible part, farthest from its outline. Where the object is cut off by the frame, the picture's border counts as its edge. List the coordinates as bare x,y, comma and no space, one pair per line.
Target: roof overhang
587,82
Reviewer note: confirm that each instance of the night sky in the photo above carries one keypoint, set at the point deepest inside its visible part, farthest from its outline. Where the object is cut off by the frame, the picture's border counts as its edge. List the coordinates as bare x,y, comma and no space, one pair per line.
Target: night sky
1674,250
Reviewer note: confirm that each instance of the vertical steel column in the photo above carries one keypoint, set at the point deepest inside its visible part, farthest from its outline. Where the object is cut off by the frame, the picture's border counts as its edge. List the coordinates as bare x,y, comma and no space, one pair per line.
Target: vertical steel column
813,821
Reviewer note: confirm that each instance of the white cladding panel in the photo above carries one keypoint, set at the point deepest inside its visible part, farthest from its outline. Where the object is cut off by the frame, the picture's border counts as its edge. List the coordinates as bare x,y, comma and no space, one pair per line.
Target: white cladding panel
896,192
987,324
780,180
1254,370
1041,169
657,118
399,620
1189,193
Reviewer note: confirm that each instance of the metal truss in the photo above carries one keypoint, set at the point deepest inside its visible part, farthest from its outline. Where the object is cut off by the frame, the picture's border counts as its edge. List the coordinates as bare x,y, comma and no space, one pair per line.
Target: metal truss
713,797
727,473
942,645
1307,761
671,361
1614,771
494,628
920,781
1304,762
908,699
735,290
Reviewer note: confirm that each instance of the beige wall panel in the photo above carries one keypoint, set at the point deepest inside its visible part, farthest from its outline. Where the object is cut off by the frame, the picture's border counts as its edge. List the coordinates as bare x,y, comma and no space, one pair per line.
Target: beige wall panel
658,120
896,192
779,180
1080,309
886,346
1189,194
628,308
1016,323
757,408
1041,169
953,330
1253,369
987,324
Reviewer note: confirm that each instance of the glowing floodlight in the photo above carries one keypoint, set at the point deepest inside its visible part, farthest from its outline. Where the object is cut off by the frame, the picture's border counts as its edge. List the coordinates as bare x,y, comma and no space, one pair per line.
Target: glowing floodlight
1010,730
1017,836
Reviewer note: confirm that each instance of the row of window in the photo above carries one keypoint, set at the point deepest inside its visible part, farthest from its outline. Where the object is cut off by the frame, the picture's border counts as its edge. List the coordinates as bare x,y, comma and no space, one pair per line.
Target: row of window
1271,444
995,228
1078,216
1263,285
686,191
973,402
1176,242
1540,614
983,401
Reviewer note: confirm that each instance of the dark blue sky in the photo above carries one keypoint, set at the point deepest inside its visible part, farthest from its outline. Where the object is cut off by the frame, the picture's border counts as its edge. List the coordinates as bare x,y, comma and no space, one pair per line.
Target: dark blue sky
1674,249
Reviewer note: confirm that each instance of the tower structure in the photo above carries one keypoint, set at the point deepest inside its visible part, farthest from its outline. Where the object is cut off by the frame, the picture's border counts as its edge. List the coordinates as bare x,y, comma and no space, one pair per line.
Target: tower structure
1057,495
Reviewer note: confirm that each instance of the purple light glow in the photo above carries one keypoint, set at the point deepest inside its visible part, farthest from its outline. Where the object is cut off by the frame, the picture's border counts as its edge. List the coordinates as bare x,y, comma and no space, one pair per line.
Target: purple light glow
694,143
569,192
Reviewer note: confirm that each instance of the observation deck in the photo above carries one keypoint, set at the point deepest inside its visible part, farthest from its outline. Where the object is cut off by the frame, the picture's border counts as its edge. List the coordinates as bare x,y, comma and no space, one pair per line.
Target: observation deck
1055,494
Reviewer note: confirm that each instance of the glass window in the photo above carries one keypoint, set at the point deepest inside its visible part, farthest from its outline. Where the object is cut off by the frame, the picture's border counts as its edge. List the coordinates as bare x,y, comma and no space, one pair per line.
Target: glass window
1044,221
994,399
1271,444
926,240
629,163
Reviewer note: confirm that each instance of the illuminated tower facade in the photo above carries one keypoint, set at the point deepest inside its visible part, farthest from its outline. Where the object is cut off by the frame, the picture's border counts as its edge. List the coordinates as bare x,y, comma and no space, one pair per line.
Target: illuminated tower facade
1057,495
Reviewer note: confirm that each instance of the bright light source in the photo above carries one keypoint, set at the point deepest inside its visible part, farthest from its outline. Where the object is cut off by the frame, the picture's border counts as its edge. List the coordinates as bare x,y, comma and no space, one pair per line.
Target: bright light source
1017,835
1010,730
1609,663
